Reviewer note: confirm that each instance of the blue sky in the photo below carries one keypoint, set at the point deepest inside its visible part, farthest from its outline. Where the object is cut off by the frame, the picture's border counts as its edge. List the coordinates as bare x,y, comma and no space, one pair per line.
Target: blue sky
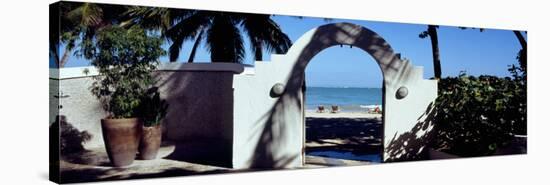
488,52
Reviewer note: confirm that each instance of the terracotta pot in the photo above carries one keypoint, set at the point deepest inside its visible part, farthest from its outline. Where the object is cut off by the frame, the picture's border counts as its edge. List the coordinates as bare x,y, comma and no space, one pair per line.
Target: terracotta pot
150,142
121,138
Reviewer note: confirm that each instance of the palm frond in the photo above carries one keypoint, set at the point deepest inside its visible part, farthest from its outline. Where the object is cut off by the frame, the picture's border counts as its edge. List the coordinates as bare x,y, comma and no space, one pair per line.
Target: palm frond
184,30
198,40
175,47
161,19
88,14
424,34
224,40
265,33
148,17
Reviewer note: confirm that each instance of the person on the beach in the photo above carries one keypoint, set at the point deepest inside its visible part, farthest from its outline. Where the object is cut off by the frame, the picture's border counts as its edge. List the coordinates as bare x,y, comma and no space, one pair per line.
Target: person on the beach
377,110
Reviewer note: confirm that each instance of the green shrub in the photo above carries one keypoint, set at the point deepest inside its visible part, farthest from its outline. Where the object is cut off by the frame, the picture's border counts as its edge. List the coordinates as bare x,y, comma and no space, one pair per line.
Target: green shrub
125,59
152,108
476,115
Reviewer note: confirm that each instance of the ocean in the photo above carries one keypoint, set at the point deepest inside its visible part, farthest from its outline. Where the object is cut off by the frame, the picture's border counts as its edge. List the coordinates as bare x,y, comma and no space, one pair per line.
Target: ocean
349,99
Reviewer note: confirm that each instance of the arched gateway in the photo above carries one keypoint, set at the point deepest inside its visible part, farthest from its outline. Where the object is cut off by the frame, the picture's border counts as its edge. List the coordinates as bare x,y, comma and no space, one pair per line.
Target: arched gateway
269,124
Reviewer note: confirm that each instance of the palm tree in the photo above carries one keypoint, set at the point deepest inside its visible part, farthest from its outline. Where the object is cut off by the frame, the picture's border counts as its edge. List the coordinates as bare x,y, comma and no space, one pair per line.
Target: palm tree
432,33
162,20
79,22
522,55
221,31
264,32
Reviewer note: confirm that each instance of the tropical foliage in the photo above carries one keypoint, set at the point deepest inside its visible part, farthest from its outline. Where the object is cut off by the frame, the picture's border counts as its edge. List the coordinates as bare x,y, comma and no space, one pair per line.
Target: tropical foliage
223,32
477,115
125,59
522,54
79,22
152,108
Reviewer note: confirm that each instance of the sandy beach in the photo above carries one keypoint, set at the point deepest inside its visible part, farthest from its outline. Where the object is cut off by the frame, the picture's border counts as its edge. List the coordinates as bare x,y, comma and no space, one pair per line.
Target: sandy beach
313,114
354,133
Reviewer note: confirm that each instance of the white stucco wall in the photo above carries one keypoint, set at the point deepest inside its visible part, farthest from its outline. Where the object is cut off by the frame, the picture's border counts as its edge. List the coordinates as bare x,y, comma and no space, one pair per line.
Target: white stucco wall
199,96
269,131
263,136
230,109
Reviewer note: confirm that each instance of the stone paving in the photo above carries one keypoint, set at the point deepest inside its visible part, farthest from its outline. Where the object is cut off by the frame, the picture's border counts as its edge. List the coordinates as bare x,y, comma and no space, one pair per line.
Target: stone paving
94,165
348,134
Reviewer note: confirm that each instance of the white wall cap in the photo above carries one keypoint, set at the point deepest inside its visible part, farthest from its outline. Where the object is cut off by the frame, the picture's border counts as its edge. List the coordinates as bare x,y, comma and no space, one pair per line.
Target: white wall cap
227,67
78,72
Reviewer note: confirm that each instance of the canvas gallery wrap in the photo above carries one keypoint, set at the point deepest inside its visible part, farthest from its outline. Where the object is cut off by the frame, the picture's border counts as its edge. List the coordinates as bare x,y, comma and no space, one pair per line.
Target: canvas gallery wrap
143,92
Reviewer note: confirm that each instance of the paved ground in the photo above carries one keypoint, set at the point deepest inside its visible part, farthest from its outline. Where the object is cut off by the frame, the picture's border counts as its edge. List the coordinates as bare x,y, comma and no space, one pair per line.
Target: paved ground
93,165
349,134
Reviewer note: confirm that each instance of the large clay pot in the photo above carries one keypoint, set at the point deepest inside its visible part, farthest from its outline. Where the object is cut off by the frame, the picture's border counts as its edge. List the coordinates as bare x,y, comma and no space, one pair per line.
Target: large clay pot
121,138
150,142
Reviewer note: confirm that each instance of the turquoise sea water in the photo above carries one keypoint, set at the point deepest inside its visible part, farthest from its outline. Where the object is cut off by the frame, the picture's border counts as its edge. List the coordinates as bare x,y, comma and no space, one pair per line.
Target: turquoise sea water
349,99
374,158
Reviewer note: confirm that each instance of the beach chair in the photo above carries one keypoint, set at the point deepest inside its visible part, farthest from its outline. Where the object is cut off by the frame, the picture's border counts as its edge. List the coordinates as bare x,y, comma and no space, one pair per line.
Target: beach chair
335,109
320,109
377,110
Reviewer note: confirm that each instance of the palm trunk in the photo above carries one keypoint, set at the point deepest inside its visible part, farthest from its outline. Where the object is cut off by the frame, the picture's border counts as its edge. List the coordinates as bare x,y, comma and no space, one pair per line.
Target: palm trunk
258,51
195,46
521,39
173,53
61,63
432,31
174,50
523,51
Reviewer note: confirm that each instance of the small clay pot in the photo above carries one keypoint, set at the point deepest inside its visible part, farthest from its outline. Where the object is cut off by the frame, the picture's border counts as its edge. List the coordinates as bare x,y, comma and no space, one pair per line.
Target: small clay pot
121,138
150,142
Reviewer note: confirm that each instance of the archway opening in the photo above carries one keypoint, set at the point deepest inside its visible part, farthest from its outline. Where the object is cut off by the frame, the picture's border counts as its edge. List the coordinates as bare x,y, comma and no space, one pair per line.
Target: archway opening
343,108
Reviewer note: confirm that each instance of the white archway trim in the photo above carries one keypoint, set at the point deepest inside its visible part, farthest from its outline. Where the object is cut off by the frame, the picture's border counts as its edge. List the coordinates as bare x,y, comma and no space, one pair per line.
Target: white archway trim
269,130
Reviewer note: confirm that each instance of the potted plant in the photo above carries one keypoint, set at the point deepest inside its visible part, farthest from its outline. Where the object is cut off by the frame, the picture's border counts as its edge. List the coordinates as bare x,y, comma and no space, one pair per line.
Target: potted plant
125,59
152,111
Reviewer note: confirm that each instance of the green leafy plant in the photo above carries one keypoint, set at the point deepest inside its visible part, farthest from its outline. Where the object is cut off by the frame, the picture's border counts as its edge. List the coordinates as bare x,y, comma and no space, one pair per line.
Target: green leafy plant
125,59
476,115
152,108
